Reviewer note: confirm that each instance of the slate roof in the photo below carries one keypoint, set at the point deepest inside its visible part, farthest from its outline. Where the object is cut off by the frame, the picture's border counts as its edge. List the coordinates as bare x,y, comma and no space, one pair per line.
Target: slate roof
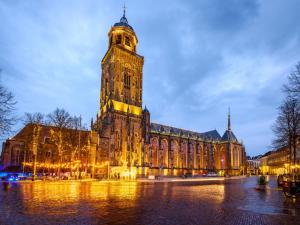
212,135
229,136
123,23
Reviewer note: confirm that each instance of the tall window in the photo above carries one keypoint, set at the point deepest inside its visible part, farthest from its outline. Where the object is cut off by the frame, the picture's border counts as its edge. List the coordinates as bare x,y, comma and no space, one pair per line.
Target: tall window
118,142
48,154
119,39
127,41
126,81
106,85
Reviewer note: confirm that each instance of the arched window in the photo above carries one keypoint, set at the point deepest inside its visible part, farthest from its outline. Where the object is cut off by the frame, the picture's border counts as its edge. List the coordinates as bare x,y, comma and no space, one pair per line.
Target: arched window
48,156
119,39
106,84
117,140
127,41
126,81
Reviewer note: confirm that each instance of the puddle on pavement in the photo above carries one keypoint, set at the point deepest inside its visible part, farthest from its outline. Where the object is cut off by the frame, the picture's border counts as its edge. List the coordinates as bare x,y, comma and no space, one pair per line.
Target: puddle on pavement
269,210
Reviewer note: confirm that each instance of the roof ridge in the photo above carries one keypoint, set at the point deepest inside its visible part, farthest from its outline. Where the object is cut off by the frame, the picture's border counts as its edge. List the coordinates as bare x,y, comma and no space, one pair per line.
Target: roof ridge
209,133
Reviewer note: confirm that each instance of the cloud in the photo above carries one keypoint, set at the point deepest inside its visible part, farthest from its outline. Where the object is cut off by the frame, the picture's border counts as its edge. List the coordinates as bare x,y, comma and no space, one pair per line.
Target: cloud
200,58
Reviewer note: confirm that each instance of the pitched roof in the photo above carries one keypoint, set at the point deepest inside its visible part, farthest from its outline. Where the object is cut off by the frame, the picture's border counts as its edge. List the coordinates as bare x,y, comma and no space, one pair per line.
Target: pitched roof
26,131
229,136
212,135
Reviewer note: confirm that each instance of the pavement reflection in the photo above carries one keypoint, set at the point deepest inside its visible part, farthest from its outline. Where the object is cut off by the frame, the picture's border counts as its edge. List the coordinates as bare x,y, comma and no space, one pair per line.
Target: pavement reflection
215,202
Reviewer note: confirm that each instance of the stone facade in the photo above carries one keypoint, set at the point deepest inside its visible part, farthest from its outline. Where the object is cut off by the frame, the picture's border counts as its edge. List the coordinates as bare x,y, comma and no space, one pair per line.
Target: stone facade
253,165
128,138
122,137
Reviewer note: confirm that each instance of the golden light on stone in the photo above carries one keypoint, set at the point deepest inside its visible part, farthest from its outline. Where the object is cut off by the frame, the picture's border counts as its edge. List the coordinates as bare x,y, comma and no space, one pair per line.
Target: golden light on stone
123,107
123,142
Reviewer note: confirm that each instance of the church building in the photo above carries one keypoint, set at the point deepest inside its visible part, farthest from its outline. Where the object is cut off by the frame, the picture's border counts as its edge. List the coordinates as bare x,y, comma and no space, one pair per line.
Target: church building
123,142
129,139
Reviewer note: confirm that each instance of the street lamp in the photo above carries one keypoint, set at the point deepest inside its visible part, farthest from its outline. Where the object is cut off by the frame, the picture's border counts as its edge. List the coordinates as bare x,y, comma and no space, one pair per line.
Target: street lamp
108,172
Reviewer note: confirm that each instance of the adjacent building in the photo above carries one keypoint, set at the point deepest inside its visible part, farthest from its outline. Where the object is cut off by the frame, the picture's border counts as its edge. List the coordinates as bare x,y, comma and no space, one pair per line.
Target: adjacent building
279,161
253,165
50,149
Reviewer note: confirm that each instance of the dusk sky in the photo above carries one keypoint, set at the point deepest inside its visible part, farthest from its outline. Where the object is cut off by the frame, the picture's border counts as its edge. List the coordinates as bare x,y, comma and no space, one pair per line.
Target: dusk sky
200,58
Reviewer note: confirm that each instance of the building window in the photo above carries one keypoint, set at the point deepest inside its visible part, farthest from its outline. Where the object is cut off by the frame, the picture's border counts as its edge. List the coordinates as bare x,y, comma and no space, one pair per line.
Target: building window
48,154
126,81
119,39
127,41
46,140
106,85
137,83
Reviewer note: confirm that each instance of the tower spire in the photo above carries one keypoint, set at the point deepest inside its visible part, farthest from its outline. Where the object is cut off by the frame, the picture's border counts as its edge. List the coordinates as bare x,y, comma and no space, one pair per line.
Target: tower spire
124,9
229,127
123,18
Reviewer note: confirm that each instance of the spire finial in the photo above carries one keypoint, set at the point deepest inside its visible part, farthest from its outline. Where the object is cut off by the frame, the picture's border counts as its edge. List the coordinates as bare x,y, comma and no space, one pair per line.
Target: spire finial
229,127
124,9
123,18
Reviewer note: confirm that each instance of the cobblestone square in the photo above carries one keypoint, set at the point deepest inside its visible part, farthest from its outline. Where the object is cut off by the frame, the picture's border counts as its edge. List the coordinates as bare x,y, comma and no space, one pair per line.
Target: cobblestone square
233,201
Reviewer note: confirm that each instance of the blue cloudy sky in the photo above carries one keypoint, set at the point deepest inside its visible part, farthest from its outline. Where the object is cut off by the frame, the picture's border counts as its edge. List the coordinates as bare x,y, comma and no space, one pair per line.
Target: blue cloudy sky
200,58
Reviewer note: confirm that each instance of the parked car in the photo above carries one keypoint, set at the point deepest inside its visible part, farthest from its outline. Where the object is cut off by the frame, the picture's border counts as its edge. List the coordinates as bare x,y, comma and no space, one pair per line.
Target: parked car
212,174
188,175
12,177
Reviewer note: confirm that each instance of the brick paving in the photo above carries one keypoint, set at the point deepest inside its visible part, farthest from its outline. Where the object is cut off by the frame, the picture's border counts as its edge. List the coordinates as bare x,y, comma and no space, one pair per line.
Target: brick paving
215,202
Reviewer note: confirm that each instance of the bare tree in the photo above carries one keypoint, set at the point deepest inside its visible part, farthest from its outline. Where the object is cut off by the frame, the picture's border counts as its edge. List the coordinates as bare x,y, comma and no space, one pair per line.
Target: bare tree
60,118
76,123
7,108
33,118
292,88
64,133
287,126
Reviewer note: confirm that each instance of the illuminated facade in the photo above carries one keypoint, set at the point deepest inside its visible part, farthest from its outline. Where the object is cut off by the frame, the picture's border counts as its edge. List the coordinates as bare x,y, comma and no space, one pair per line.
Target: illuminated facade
253,165
51,150
280,161
128,138
123,142
120,119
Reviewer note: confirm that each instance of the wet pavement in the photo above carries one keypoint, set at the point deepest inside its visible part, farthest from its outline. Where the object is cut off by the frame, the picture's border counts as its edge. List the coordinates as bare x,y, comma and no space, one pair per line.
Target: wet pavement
209,202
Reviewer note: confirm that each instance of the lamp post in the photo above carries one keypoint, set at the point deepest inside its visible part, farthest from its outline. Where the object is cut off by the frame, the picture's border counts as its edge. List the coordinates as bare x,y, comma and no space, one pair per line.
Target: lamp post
222,164
93,171
36,132
24,159
108,172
